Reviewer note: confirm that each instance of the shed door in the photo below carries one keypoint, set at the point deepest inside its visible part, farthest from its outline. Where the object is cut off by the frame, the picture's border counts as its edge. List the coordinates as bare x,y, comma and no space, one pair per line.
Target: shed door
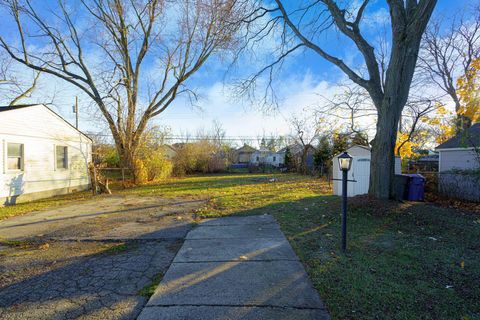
361,173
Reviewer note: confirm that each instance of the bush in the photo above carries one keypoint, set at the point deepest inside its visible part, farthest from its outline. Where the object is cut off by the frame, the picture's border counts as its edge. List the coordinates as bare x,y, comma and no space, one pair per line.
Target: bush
140,172
106,155
112,159
157,167
199,157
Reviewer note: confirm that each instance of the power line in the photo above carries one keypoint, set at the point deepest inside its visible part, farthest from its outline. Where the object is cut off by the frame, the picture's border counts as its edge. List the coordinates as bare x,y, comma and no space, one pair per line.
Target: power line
193,138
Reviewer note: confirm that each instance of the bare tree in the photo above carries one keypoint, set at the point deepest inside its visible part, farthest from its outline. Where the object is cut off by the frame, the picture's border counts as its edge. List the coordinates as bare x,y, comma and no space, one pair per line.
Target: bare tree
410,123
305,130
12,88
448,49
353,107
388,82
132,58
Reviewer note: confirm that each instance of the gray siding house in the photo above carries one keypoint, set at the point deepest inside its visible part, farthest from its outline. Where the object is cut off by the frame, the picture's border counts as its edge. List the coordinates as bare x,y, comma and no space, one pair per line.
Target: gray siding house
461,151
458,158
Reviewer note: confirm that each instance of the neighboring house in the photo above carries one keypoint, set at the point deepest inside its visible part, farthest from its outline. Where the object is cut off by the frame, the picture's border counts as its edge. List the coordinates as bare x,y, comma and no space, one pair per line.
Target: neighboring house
457,158
244,154
168,151
267,157
359,173
460,152
42,154
297,150
425,163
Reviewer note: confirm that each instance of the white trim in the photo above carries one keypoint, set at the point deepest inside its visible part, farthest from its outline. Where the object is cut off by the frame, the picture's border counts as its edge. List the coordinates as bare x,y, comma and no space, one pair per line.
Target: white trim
65,148
22,162
4,149
455,149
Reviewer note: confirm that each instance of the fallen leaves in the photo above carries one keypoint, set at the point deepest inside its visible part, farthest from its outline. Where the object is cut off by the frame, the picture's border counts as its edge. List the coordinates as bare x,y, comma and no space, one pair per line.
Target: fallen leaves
44,246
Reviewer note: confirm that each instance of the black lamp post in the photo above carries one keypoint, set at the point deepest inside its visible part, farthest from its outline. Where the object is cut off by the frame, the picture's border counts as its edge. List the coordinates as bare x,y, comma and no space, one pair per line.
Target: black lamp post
345,163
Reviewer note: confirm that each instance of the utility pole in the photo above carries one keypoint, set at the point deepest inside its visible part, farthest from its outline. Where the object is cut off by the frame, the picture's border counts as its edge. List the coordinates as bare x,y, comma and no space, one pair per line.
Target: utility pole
75,110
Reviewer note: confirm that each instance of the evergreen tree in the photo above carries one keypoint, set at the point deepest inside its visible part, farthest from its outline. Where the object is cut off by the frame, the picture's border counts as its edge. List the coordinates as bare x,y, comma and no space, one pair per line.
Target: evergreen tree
360,139
289,163
323,155
340,142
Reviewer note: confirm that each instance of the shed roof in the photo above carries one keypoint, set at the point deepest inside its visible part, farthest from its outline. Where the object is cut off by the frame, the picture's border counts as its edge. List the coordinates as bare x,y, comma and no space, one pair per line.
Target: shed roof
355,146
468,139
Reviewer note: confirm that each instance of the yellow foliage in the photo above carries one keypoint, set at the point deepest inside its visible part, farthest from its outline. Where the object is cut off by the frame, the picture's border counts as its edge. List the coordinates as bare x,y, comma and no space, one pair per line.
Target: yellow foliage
469,92
407,147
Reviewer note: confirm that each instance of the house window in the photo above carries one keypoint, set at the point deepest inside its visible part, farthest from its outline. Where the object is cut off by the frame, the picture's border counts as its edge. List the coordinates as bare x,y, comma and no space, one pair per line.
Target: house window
15,156
258,159
274,159
61,157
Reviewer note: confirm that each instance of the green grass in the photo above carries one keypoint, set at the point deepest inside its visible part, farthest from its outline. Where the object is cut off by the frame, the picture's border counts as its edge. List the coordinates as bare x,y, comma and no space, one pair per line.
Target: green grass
15,243
149,289
116,249
405,260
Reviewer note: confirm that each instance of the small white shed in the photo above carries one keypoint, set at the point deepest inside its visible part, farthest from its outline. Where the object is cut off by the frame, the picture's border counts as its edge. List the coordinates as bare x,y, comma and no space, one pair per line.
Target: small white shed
360,171
41,154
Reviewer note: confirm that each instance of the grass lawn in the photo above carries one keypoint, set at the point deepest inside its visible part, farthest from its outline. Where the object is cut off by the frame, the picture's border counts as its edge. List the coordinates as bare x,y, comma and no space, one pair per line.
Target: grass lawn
405,260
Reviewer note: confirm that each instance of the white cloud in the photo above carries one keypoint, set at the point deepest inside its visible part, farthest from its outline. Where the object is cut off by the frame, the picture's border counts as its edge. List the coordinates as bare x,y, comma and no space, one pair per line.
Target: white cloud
239,119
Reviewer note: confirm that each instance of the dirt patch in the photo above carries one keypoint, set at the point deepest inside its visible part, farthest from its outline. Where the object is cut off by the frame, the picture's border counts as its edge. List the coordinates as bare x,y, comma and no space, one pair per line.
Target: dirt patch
115,217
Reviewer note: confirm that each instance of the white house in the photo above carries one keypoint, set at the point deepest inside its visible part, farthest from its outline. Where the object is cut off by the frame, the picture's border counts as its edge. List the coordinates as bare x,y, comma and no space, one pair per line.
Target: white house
359,172
267,157
41,154
459,151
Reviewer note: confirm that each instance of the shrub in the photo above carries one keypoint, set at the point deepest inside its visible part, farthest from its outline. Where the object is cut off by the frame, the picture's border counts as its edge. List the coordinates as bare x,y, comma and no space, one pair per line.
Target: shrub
140,173
199,157
157,167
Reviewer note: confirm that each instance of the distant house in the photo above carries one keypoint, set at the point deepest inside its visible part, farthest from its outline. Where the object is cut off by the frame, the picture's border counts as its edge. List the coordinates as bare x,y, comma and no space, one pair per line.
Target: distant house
297,150
425,163
457,157
42,154
264,156
168,151
244,154
459,151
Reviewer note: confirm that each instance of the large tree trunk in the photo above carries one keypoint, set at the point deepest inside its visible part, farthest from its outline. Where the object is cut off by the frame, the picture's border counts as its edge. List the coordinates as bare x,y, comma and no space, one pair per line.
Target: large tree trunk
128,145
128,155
383,152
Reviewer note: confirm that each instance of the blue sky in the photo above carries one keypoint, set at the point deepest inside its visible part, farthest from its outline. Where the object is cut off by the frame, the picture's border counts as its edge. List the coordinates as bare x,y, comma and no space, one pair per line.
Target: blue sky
298,84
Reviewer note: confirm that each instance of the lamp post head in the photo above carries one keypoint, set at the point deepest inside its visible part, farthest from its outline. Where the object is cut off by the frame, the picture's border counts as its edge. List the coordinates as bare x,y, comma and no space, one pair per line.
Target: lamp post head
345,161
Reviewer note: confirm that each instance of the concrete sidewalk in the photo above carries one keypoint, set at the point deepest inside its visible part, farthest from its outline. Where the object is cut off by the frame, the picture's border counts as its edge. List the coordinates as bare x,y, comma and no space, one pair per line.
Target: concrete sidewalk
235,268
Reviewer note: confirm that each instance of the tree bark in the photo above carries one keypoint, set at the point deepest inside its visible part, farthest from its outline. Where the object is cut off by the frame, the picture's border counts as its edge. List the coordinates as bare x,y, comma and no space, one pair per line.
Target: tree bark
383,149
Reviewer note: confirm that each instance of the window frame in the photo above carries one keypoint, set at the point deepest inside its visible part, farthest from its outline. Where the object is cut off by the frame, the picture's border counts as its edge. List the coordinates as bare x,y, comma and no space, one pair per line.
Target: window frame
66,161
22,157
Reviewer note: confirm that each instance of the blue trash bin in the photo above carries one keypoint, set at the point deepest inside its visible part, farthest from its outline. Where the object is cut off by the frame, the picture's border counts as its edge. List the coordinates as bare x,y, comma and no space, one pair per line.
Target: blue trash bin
416,187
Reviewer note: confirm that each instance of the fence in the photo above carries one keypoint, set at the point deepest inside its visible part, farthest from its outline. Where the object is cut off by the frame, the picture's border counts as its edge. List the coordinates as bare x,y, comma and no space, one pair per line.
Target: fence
459,185
121,176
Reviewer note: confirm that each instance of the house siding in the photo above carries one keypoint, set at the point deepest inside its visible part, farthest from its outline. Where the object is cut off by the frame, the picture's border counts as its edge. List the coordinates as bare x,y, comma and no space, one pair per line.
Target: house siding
40,130
457,159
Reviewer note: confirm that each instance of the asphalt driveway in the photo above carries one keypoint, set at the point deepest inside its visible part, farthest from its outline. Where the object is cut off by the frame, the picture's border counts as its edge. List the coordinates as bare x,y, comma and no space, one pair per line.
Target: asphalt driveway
91,259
